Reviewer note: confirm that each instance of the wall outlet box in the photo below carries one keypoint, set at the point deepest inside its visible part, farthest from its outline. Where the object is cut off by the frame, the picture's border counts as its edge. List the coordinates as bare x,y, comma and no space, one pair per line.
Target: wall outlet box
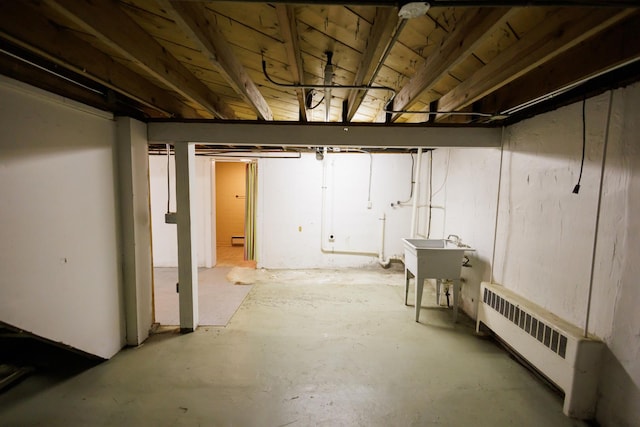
171,218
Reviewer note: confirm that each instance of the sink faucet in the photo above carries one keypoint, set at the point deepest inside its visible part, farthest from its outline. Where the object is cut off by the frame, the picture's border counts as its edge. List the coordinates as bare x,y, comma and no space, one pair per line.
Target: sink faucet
454,239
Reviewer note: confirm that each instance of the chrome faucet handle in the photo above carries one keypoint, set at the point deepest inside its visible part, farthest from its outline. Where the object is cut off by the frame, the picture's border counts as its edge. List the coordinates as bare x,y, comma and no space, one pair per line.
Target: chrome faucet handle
454,238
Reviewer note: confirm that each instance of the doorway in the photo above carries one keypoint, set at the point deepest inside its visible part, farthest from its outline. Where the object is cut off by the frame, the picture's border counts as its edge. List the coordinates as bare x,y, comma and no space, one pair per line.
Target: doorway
235,213
216,187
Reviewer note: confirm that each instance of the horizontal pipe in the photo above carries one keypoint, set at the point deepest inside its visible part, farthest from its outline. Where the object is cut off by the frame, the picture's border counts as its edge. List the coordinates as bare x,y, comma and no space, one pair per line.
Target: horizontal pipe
471,3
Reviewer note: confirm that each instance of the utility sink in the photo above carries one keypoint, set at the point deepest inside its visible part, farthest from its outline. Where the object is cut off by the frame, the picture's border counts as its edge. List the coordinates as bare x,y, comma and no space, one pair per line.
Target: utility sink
433,259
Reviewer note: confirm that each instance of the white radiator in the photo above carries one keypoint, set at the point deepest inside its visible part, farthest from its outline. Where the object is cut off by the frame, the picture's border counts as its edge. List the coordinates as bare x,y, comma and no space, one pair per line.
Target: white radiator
553,346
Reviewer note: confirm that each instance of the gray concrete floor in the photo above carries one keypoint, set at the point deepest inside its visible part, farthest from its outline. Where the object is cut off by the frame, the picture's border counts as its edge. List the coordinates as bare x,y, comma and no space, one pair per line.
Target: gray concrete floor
306,348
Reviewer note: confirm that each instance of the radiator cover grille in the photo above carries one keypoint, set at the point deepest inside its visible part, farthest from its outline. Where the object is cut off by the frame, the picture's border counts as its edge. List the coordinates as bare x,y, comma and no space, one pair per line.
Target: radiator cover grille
554,347
550,337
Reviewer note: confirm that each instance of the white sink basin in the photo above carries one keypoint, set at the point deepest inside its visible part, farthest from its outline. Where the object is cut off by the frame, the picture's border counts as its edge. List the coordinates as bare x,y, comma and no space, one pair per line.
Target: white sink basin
435,259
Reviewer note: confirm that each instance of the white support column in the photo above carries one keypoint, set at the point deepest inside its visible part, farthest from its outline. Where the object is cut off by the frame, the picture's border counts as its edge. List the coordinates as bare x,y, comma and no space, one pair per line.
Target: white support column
135,220
187,259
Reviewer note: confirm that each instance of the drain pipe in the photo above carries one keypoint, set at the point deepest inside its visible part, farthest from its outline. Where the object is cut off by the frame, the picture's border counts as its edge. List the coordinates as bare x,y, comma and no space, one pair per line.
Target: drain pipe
416,189
385,263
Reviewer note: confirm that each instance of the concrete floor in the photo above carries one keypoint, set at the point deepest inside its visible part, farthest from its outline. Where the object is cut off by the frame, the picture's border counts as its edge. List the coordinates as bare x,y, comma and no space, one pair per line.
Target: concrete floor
306,348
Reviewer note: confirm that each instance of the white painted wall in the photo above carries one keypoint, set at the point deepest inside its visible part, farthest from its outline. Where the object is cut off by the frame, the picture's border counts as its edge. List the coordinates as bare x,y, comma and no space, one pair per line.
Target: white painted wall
59,221
165,242
464,187
290,211
616,293
545,233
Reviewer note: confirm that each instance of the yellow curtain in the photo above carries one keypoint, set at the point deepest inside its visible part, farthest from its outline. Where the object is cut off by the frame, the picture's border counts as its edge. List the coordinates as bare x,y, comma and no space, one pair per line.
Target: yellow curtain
250,211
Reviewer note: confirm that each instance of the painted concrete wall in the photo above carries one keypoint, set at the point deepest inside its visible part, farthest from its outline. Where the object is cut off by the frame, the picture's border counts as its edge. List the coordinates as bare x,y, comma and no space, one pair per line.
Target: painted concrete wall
59,221
165,241
464,189
616,293
545,233
359,190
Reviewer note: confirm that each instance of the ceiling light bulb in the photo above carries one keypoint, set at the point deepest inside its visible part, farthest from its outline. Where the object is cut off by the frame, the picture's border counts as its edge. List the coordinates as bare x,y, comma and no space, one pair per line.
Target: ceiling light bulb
413,9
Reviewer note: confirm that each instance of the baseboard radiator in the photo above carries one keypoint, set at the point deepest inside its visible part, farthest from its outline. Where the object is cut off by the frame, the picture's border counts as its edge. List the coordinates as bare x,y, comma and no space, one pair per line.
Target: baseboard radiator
554,347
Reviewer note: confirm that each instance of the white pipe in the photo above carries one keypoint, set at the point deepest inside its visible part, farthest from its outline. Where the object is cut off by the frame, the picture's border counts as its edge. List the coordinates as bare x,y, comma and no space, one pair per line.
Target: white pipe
597,224
495,224
385,262
416,196
381,259
324,249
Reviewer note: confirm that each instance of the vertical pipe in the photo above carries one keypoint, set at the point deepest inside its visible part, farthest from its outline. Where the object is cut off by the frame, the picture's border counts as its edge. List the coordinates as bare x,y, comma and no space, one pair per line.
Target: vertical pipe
597,224
416,196
381,259
495,224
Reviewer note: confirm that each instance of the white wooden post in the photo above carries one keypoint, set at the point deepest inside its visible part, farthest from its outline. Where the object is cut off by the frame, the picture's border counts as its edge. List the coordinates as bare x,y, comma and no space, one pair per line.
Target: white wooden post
187,259
133,178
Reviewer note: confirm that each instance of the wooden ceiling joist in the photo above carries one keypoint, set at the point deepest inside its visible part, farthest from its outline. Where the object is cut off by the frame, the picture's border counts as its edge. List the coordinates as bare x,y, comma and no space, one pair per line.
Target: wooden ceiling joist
192,19
289,33
472,29
558,33
132,42
39,77
60,46
588,59
378,42
196,59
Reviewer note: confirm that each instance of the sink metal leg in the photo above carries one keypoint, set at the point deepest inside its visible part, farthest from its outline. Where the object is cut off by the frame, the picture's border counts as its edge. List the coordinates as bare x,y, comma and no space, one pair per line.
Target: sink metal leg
456,298
406,285
419,286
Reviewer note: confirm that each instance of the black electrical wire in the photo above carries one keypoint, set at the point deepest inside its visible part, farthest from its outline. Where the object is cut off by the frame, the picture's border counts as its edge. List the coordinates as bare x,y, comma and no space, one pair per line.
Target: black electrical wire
317,105
576,189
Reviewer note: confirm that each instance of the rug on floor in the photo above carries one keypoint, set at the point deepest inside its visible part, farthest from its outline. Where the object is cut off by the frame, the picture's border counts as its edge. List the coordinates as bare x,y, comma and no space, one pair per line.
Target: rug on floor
218,298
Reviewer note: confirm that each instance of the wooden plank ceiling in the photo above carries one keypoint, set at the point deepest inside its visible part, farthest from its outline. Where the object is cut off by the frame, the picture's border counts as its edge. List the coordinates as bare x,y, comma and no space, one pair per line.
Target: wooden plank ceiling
463,62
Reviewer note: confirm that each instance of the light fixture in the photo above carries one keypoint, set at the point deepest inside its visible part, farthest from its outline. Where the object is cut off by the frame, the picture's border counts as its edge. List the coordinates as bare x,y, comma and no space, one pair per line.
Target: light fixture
413,9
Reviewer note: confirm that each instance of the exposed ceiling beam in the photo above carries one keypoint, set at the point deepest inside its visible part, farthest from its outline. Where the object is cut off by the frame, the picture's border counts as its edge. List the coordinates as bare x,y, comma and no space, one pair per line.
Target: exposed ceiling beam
558,33
279,134
57,44
112,26
379,41
609,50
472,29
194,21
289,33
38,76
